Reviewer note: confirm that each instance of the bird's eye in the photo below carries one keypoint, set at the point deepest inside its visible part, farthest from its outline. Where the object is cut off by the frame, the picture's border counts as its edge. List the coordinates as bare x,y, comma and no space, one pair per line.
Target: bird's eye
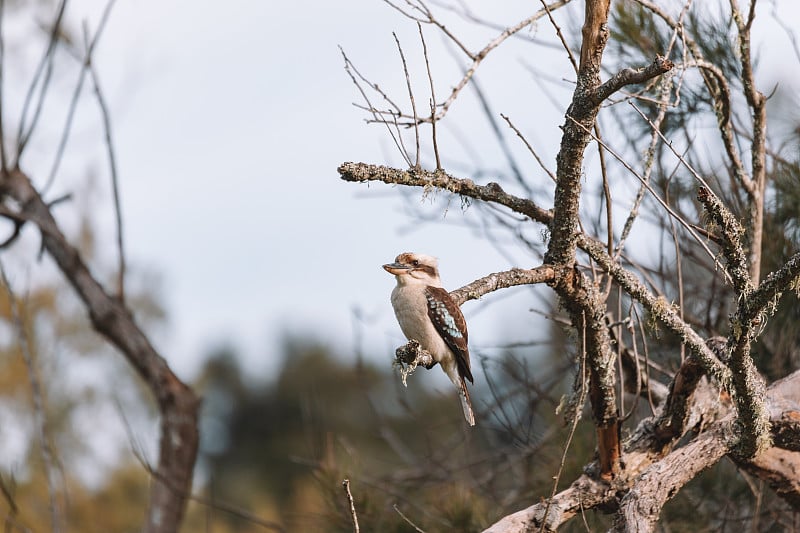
415,262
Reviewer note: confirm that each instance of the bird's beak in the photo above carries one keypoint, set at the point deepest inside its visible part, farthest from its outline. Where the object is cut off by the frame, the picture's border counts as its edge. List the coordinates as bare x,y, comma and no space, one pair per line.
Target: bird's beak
396,268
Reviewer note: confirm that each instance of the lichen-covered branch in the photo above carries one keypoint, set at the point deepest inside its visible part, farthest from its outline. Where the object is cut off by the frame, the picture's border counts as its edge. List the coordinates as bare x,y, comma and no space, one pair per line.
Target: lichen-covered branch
749,395
763,300
502,280
662,310
632,76
732,234
579,297
757,102
753,311
492,192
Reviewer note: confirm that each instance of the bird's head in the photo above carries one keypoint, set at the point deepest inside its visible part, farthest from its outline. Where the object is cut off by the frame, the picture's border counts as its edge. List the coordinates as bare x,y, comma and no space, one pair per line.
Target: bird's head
410,268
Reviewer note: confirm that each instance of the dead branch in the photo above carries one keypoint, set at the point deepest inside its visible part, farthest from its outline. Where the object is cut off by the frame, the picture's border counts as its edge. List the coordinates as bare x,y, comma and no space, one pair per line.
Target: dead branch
74,102
657,484
427,17
353,515
112,164
655,470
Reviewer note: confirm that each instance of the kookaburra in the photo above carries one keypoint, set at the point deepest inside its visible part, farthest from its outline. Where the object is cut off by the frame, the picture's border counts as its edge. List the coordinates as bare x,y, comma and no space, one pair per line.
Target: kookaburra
428,314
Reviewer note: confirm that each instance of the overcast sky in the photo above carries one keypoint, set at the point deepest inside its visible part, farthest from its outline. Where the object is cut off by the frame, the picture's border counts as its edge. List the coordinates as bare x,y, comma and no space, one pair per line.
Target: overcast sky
230,119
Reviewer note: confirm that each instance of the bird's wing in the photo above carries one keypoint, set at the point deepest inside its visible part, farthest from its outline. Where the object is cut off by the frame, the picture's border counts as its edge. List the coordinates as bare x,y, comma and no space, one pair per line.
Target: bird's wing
449,322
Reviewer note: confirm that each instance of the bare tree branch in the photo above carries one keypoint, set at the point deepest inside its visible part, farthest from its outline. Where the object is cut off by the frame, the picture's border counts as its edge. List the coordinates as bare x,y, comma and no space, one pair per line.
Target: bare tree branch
112,164
62,145
631,76
492,192
177,403
641,506
353,515
46,62
502,280
476,57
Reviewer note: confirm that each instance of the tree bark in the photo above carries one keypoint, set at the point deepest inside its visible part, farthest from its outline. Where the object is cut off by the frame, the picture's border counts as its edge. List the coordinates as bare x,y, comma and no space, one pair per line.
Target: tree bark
178,405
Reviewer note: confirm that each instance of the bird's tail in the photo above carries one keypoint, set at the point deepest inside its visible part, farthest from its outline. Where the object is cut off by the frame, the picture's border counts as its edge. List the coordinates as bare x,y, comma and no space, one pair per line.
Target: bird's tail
466,403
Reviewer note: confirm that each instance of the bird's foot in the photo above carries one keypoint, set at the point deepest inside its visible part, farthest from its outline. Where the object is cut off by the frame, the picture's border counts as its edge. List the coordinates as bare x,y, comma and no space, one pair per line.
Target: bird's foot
408,357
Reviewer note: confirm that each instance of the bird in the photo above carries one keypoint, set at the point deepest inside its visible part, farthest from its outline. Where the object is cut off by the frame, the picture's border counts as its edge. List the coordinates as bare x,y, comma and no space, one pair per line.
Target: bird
426,313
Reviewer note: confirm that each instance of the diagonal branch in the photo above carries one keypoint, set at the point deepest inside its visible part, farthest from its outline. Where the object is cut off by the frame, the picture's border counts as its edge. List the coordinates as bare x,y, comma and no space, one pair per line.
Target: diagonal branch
632,76
764,297
658,307
640,508
177,403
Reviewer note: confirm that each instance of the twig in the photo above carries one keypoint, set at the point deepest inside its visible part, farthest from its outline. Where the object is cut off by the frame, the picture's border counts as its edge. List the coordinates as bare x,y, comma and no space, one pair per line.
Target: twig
404,517
46,61
658,199
490,116
112,163
478,57
353,515
433,98
48,454
411,97
352,71
678,266
576,416
648,163
530,149
560,36
606,191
